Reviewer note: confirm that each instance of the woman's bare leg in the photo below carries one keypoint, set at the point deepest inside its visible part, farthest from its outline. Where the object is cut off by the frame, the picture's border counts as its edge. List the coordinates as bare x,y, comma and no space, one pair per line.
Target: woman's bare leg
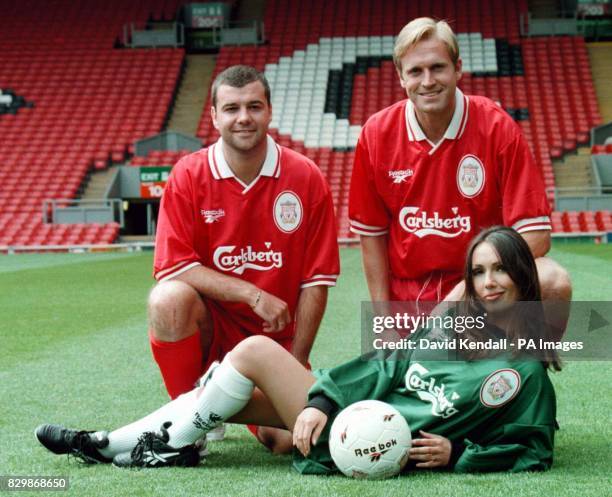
282,381
259,411
257,361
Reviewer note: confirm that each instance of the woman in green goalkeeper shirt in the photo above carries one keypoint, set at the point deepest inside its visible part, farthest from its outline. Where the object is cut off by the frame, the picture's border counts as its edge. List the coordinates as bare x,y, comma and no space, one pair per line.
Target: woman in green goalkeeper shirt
486,410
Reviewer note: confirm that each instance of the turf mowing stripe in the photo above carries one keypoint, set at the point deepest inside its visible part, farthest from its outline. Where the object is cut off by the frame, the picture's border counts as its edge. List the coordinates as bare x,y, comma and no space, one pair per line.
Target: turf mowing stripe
20,262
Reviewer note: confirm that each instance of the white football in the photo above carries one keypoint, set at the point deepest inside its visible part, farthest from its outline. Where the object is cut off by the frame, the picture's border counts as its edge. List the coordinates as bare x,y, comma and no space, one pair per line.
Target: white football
370,439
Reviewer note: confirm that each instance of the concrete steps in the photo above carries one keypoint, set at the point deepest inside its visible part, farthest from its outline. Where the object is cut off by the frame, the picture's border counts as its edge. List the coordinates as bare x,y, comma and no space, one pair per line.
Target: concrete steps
601,68
99,183
189,103
574,172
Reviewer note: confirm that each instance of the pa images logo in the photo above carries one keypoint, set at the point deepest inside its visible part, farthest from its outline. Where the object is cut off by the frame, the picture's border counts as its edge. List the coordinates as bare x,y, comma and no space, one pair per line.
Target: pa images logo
287,211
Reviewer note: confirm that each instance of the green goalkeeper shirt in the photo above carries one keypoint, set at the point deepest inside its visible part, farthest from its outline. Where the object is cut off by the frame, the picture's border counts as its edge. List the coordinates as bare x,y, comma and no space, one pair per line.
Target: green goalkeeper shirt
501,410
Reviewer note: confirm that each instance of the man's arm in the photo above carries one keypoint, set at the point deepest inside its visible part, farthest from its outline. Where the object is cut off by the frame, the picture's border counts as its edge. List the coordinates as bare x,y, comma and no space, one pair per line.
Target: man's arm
217,286
310,309
538,241
376,266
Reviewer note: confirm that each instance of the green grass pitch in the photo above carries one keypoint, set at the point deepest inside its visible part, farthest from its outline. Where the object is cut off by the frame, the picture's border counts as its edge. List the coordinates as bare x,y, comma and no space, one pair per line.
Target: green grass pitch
74,350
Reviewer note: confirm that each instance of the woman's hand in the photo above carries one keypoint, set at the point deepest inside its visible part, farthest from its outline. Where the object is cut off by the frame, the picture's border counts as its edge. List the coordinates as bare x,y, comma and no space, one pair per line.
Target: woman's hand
307,429
433,451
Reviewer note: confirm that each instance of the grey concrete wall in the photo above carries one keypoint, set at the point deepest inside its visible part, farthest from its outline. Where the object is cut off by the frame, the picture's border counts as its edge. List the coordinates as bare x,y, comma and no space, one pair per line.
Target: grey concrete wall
594,203
603,163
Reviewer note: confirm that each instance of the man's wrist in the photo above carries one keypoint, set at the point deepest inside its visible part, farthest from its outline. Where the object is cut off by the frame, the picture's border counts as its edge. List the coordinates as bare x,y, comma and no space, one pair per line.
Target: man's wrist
252,296
255,299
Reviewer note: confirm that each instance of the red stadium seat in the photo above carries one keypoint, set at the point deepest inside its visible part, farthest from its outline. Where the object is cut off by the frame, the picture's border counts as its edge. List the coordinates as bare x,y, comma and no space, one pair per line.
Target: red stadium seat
603,220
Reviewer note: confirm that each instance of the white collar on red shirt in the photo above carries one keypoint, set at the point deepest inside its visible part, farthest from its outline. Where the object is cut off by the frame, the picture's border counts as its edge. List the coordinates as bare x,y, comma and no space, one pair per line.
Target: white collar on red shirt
455,128
220,169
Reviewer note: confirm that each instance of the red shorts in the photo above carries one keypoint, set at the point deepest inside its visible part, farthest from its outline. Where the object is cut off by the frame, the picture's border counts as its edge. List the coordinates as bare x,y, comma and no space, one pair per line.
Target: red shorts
431,288
227,334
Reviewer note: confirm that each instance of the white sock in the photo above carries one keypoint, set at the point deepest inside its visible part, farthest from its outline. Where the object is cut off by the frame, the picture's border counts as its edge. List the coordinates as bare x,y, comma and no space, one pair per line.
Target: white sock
191,414
124,439
224,395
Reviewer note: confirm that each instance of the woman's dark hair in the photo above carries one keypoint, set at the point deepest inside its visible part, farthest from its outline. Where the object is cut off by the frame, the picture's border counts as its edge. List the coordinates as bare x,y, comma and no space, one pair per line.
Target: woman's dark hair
518,262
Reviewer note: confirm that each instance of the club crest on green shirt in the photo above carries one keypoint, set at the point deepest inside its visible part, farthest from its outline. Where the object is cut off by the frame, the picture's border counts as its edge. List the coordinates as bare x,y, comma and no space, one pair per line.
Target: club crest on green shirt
500,387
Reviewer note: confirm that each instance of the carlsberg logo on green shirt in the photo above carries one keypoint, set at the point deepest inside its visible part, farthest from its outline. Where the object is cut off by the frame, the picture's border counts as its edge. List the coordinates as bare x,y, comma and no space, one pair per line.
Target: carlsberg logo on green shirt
429,391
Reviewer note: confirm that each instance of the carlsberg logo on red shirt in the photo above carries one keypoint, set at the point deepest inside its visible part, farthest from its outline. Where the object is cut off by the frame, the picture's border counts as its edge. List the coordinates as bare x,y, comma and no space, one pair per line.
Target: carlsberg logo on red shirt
228,258
422,223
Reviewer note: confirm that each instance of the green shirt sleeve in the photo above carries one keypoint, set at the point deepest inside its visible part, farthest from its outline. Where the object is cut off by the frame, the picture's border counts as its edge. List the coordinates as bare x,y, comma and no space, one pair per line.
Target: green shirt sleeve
522,438
359,379
532,451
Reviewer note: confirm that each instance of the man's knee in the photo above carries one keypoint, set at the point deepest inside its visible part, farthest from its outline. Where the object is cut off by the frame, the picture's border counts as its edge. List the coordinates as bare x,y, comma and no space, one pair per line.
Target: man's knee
176,310
555,282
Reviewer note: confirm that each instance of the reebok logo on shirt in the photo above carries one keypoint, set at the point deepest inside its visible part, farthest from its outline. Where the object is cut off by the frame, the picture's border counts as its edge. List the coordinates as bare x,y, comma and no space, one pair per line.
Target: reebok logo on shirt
400,176
422,224
212,216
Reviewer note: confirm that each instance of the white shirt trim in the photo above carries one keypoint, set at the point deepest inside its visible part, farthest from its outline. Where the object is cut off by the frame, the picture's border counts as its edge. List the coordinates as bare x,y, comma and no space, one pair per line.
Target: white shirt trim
326,276
170,273
368,233
455,128
220,169
535,227
364,229
541,223
452,132
319,283
357,224
320,279
533,220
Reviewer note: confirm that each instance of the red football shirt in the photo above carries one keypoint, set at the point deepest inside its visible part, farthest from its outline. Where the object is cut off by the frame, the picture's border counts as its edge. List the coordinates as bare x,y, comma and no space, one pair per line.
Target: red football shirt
279,232
433,199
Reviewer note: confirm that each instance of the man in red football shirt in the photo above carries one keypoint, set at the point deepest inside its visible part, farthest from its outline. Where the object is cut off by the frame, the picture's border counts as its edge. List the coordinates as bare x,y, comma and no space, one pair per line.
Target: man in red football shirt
432,171
246,244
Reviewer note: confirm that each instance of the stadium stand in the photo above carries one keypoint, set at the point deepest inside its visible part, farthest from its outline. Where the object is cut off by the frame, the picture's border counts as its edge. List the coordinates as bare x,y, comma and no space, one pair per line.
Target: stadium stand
89,103
329,65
